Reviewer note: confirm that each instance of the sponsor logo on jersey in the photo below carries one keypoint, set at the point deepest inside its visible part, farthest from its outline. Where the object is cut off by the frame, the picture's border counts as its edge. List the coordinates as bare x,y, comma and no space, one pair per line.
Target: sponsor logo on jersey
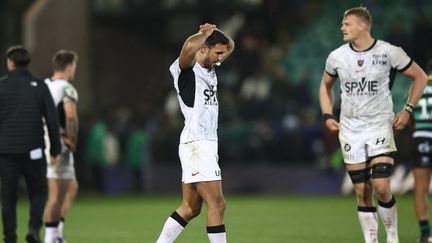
363,87
380,141
379,59
217,172
360,62
424,147
210,97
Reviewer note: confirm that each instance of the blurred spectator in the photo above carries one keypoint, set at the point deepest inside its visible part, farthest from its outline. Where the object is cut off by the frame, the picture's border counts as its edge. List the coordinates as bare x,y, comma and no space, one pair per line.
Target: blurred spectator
95,152
248,55
138,157
255,95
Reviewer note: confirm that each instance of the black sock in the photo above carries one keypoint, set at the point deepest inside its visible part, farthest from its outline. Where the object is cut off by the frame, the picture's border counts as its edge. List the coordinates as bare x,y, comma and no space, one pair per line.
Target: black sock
389,204
424,227
216,229
179,219
52,224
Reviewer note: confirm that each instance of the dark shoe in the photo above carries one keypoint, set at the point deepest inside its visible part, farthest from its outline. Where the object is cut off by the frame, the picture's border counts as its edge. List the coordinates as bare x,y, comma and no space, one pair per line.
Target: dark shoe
425,239
33,238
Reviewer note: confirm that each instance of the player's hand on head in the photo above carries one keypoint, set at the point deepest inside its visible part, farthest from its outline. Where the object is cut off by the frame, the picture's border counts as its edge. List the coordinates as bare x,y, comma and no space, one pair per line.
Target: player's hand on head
207,28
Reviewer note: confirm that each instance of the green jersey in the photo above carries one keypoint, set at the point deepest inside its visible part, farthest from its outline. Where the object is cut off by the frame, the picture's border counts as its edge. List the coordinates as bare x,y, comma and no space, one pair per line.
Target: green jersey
423,111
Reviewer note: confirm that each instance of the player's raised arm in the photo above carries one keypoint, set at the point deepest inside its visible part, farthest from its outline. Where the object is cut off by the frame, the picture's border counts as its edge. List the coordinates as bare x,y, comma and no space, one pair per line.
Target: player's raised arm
193,44
230,47
326,101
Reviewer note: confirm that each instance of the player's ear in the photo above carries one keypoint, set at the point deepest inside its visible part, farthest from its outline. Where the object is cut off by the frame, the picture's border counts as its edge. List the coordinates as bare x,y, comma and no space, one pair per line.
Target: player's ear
362,25
204,49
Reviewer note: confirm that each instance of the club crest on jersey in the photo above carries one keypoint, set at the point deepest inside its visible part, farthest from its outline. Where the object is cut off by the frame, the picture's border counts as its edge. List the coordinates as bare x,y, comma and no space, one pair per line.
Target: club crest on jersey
347,147
360,62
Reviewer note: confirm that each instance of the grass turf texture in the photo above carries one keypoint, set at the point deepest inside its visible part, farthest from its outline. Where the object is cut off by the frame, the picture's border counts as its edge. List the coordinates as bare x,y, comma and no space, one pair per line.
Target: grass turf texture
249,219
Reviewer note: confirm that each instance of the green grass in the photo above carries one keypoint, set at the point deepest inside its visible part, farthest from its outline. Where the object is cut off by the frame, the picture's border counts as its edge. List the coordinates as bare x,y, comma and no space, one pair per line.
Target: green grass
249,219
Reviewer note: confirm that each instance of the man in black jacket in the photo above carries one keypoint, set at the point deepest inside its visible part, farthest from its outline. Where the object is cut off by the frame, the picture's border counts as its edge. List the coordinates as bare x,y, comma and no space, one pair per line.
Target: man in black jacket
24,102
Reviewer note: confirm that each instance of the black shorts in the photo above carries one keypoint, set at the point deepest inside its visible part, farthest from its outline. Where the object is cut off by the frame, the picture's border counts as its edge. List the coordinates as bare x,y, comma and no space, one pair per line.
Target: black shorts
422,152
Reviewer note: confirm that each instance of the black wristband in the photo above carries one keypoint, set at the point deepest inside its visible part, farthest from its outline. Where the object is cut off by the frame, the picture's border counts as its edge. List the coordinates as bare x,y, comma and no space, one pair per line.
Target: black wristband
327,116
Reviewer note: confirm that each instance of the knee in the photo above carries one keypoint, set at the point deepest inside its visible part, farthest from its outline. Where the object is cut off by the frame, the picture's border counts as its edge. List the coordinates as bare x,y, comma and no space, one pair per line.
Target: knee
218,205
191,211
421,189
382,189
53,201
381,173
75,186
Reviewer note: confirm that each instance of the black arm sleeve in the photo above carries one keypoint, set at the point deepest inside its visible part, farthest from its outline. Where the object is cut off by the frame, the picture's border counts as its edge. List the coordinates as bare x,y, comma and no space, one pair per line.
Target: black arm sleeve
52,122
186,83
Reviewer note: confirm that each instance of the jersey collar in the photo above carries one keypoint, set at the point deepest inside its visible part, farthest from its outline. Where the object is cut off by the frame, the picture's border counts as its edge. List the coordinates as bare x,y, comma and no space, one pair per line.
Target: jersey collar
373,44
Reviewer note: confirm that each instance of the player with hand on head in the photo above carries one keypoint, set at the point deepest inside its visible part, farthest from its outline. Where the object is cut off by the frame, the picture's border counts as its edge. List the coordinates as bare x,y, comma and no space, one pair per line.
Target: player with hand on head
196,84
365,67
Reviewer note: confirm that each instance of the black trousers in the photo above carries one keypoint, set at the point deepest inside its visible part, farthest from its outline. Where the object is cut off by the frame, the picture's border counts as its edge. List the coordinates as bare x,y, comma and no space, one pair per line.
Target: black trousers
12,167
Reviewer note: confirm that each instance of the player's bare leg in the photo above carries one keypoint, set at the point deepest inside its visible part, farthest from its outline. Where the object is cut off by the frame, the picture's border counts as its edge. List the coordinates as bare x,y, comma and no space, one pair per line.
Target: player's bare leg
71,189
189,209
382,169
52,210
211,193
367,215
421,191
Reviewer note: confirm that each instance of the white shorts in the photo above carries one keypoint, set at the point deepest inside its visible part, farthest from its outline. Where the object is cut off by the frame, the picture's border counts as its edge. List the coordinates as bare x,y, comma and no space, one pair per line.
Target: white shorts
64,169
359,146
199,161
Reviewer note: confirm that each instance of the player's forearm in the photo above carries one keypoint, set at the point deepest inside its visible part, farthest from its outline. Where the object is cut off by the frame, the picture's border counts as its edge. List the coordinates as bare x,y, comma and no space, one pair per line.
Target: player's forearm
194,43
416,92
230,48
326,99
72,131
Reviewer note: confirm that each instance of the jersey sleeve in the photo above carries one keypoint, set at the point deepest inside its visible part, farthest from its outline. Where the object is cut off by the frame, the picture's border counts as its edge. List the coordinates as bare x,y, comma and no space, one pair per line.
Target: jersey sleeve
70,94
330,66
399,59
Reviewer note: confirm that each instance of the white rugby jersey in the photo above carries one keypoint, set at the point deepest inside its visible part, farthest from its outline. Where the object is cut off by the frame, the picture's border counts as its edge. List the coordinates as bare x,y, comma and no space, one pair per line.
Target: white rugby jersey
366,79
62,91
197,94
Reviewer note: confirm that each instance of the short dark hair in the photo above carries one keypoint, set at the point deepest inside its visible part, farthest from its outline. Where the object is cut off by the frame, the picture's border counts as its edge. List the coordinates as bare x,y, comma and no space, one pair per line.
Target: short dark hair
217,37
62,58
361,13
18,55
